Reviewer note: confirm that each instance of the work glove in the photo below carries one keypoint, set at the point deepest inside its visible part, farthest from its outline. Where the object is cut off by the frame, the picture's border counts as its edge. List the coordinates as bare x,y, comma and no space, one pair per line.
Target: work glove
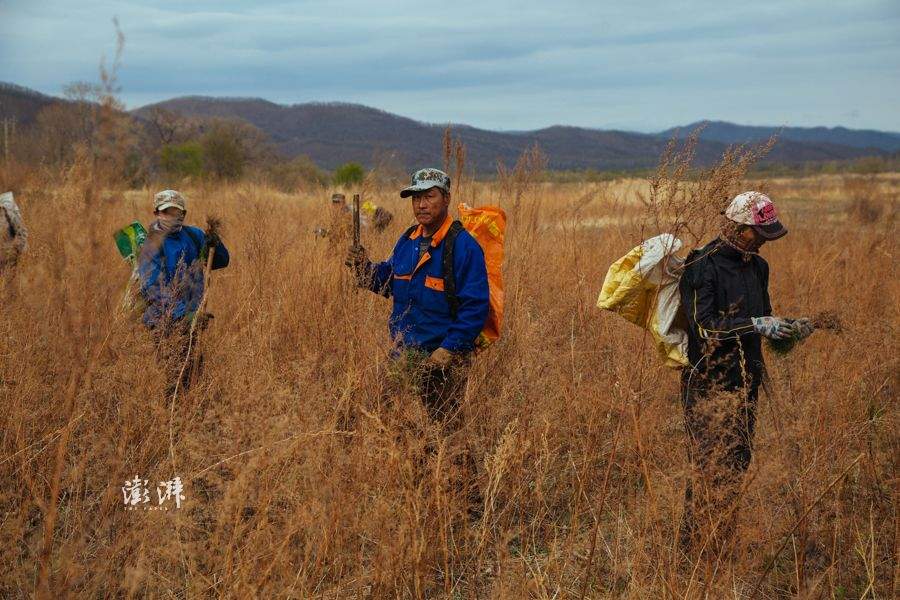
774,328
441,357
357,257
803,328
212,240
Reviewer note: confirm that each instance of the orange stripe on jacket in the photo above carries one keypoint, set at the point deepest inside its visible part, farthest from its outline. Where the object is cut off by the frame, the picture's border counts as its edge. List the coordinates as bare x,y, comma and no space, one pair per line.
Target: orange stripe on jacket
439,235
435,283
425,258
436,239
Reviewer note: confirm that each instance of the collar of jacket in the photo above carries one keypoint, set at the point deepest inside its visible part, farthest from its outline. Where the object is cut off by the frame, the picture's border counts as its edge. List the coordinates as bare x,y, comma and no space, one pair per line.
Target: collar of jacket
731,252
438,236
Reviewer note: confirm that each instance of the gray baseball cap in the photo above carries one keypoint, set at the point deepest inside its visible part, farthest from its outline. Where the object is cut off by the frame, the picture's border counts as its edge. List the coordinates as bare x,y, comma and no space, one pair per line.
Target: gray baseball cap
425,179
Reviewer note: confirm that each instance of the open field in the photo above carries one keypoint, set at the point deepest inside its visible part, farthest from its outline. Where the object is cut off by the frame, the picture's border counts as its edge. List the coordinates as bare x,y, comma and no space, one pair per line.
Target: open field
300,459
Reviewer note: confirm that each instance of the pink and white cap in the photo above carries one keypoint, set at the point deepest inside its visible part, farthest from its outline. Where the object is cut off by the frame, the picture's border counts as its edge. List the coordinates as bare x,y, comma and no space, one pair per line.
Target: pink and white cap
758,211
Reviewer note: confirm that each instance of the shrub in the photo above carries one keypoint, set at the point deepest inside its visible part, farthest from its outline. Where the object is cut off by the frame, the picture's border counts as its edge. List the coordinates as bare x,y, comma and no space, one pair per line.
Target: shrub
225,157
350,173
296,174
182,160
864,198
231,147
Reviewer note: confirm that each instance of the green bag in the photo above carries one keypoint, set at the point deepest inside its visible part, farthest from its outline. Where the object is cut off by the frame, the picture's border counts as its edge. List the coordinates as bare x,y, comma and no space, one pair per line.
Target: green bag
129,240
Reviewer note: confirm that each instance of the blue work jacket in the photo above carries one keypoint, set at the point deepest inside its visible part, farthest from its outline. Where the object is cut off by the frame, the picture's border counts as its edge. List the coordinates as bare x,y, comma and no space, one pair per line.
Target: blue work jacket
171,274
421,317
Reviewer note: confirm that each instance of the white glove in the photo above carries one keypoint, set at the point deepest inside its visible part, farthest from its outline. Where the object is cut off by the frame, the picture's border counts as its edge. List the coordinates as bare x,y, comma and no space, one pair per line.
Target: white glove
774,328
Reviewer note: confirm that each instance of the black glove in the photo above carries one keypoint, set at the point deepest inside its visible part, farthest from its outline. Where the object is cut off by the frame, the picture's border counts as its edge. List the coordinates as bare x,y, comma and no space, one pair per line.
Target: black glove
357,257
212,240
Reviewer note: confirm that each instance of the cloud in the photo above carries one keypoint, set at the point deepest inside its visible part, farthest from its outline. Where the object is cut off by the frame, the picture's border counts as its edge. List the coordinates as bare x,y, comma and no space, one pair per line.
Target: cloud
513,65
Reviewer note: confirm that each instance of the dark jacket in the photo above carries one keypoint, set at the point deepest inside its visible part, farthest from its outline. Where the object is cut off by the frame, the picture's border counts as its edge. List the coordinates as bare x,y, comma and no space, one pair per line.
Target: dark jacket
172,274
720,292
421,316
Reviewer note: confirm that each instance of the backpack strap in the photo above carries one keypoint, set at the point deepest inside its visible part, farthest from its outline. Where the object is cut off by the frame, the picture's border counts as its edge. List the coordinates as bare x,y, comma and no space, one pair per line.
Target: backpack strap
196,240
447,268
164,261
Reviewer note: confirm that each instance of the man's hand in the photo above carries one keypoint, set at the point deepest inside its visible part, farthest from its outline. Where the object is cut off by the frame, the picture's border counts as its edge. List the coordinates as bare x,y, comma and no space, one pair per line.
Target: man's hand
441,357
357,257
212,240
774,328
803,327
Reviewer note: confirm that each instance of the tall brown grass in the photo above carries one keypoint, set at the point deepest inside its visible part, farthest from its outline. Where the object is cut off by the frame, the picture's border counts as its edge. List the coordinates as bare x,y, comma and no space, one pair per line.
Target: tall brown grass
303,458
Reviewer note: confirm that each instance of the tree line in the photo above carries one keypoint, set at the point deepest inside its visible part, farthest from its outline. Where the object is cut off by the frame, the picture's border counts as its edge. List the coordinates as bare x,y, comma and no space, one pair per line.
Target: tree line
161,147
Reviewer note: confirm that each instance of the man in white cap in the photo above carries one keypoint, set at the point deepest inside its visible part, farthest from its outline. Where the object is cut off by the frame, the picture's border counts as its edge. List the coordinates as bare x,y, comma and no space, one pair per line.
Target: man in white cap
170,266
725,299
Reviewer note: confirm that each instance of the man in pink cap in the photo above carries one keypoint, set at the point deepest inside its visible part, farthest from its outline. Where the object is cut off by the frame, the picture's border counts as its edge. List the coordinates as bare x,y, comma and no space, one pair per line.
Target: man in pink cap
725,299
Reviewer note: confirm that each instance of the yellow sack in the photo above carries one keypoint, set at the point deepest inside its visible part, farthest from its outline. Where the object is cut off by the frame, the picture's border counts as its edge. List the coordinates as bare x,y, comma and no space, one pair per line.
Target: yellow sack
642,286
369,208
487,224
379,218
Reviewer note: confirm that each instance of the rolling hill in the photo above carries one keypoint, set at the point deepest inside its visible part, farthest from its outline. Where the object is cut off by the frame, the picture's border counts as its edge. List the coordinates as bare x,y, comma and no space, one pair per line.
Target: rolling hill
730,133
22,104
334,133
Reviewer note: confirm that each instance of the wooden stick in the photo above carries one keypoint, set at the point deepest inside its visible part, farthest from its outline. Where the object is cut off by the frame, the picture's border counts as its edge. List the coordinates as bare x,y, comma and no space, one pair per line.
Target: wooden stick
206,270
191,356
356,220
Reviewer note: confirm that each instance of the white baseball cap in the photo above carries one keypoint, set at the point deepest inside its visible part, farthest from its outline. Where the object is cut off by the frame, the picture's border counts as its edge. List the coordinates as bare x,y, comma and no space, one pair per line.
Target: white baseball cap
758,211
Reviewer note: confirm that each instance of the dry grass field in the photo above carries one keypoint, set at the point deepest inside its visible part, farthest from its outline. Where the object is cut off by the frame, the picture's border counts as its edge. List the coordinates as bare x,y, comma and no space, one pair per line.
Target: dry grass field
303,462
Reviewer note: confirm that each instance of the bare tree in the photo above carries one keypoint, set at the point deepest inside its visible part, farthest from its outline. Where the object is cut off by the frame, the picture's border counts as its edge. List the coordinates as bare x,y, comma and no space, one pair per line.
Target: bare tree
171,127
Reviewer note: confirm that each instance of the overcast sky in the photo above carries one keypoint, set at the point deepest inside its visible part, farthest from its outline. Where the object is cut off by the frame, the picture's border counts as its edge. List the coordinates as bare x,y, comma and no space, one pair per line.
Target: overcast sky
504,64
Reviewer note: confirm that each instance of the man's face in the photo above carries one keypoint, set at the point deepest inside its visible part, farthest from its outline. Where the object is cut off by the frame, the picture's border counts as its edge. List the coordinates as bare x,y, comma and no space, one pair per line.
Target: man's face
430,207
749,240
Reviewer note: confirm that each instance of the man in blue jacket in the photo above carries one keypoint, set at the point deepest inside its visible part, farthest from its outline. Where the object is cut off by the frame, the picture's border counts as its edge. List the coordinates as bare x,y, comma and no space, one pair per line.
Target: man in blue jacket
170,267
437,278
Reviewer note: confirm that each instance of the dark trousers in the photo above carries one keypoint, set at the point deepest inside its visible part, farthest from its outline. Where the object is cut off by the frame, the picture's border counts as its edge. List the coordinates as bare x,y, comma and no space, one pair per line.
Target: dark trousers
719,422
175,351
441,391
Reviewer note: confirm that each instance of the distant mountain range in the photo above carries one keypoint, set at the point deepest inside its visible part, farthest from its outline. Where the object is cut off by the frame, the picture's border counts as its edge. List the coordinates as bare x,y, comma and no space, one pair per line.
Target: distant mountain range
730,133
334,133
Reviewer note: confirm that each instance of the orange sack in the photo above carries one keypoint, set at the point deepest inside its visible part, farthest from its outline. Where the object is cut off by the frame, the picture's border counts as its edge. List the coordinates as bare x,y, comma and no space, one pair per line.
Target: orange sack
487,224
